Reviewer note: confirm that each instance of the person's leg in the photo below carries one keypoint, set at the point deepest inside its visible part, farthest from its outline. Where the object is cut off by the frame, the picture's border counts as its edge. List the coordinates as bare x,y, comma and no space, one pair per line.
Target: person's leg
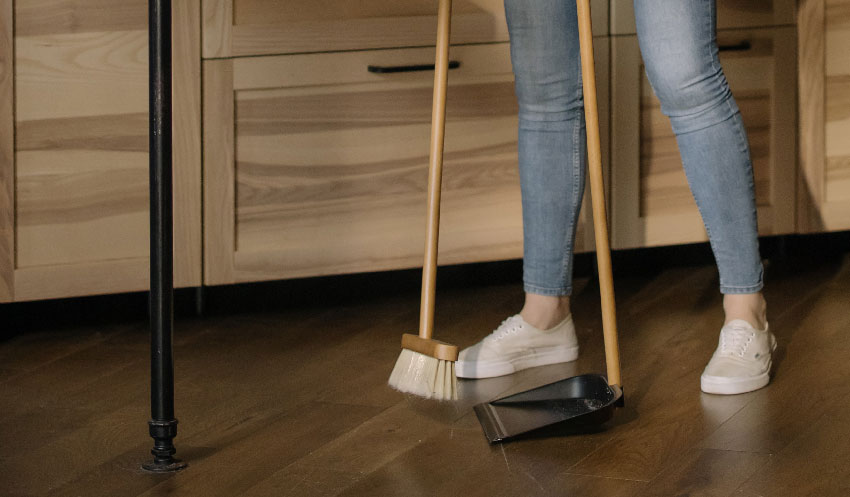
679,47
551,149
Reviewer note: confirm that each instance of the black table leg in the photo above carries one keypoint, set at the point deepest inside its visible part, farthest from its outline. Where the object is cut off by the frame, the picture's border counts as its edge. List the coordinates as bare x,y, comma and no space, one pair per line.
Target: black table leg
163,426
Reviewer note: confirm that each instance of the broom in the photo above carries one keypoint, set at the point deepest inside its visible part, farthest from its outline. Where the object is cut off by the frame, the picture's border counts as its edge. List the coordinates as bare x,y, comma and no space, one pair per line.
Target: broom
426,367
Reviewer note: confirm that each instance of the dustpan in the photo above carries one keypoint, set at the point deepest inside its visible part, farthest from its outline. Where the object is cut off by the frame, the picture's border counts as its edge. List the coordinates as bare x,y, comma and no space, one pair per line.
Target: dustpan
569,406
584,402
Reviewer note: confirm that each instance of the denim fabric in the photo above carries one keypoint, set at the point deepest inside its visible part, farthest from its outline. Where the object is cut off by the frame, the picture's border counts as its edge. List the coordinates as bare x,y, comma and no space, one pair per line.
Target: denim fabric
679,48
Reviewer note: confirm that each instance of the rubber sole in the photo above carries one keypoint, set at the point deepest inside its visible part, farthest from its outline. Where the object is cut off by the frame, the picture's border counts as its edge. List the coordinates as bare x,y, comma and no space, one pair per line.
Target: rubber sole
728,386
722,385
492,369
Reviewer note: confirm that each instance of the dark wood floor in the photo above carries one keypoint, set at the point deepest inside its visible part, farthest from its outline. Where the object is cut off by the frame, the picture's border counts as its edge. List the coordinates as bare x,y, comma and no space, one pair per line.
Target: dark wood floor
294,401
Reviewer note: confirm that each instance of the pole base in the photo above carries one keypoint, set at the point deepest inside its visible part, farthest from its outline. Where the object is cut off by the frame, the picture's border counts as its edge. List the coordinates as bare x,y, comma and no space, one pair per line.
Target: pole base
168,466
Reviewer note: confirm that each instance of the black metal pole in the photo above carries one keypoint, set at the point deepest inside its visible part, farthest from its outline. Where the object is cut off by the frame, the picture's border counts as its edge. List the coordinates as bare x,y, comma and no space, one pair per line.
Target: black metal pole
163,425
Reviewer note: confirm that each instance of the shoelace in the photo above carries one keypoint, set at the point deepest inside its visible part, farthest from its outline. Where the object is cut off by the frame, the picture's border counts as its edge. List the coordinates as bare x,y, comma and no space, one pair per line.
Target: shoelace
735,340
508,327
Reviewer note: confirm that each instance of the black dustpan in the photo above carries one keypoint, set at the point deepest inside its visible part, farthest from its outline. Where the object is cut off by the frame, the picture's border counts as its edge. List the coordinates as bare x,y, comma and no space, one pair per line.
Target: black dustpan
565,406
580,402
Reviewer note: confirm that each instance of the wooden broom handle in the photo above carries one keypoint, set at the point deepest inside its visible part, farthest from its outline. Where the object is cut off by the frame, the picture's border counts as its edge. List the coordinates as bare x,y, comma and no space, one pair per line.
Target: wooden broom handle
435,170
597,191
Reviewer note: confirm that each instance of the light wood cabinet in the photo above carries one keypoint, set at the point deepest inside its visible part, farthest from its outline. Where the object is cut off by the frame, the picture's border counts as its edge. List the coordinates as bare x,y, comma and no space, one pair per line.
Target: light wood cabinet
652,204
74,141
824,189
234,28
315,165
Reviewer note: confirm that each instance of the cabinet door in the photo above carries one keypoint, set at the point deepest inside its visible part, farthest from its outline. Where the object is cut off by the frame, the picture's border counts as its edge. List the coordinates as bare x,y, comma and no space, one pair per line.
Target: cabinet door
314,165
255,27
652,204
824,199
74,104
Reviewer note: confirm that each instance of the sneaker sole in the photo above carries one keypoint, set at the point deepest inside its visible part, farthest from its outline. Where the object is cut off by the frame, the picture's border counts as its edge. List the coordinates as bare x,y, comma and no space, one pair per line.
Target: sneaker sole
731,386
492,369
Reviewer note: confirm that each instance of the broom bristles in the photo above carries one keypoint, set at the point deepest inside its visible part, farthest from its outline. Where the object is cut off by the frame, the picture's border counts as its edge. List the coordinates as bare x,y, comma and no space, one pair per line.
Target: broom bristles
424,376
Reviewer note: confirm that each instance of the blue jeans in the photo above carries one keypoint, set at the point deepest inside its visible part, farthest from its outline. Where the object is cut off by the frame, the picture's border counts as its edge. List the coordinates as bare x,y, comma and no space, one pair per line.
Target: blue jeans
679,48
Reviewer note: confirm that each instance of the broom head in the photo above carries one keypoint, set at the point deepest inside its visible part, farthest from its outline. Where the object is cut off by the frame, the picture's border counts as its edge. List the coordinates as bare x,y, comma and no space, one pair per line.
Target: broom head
426,368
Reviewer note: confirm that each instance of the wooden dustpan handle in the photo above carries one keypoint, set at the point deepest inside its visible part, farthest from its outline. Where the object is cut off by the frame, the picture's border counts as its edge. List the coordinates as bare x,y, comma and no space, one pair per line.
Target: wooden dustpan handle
600,221
435,170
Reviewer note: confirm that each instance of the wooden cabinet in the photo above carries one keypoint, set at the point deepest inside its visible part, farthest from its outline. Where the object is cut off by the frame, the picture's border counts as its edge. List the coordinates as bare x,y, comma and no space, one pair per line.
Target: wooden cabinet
824,69
652,204
315,165
73,147
235,28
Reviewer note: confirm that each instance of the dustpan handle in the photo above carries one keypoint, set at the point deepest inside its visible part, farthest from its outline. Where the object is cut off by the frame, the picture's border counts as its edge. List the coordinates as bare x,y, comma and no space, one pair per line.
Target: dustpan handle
435,170
597,191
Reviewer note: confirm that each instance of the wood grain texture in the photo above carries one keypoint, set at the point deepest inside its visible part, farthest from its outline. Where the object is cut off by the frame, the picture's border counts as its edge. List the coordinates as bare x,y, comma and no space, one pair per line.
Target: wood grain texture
654,205
255,27
81,144
217,25
811,75
7,155
50,17
292,400
707,473
219,193
258,27
326,163
187,153
824,32
814,464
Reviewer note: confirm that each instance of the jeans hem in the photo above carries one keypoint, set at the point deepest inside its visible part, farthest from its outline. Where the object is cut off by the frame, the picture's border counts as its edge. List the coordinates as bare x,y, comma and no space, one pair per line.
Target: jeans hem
737,290
547,291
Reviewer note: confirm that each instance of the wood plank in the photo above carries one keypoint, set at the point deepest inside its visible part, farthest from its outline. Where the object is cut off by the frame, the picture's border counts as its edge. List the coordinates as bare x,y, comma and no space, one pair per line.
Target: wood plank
219,195
186,146
294,399
7,155
811,85
73,280
292,435
217,22
431,467
81,75
49,17
707,473
814,463
361,34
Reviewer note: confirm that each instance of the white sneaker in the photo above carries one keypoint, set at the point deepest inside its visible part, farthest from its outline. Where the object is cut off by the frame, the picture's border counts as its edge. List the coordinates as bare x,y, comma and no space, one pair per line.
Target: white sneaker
742,360
516,345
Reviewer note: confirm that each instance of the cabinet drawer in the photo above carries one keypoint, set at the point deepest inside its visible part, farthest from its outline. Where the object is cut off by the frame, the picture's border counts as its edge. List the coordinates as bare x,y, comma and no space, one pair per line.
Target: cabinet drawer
315,165
652,204
256,27
730,14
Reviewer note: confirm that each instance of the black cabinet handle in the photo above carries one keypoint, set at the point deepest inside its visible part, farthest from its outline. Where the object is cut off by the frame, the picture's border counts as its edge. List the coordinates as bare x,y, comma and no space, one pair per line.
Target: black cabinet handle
453,64
738,47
